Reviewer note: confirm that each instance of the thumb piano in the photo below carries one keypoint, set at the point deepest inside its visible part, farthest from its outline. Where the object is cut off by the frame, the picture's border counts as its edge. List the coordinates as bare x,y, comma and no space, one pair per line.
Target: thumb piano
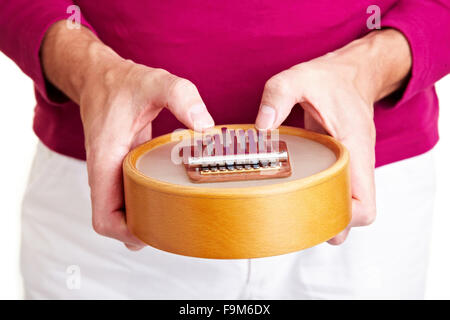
234,192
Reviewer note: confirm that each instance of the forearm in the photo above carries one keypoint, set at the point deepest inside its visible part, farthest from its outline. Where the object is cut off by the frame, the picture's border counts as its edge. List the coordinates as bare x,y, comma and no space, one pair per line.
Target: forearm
118,101
70,56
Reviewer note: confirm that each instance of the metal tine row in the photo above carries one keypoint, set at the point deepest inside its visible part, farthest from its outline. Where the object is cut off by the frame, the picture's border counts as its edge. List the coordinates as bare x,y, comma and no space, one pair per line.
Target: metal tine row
235,142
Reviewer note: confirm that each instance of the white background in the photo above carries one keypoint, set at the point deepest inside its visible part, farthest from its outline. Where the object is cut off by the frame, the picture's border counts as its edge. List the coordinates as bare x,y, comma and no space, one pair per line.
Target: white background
18,144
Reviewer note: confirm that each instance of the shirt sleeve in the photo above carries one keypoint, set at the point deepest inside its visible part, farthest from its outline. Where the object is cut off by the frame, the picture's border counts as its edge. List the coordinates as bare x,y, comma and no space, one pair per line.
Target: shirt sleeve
23,24
426,26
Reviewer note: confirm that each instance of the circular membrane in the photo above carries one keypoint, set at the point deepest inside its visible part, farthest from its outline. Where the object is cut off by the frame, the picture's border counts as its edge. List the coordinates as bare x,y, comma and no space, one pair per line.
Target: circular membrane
307,157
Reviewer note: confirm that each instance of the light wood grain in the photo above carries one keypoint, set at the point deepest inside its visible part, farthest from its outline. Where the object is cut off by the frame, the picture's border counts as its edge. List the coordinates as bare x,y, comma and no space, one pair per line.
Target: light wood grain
234,223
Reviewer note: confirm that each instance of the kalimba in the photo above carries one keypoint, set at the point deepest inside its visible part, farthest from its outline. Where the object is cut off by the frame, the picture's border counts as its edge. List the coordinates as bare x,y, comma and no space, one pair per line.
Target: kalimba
234,192
235,155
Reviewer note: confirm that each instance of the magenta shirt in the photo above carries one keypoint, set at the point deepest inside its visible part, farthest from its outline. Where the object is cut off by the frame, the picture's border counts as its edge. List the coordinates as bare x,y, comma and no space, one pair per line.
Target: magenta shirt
229,49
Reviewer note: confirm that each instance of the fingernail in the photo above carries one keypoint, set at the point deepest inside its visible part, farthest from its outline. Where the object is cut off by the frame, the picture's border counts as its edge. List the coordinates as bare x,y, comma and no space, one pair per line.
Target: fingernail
266,118
133,247
200,117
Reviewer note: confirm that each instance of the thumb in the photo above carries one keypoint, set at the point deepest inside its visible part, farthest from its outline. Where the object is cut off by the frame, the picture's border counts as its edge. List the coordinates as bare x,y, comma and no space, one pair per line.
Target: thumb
278,99
185,103
312,124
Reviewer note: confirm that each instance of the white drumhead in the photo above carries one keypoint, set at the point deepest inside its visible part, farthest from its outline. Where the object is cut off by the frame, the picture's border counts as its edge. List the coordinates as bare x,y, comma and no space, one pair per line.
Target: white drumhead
307,157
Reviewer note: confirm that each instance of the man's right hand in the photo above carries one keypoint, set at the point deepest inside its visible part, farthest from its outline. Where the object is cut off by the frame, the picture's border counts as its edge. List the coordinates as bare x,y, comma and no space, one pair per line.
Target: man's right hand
118,101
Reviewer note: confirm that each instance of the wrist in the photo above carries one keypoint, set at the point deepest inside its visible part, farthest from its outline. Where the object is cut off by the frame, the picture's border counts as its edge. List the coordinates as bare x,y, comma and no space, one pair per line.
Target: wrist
383,62
71,58
392,61
100,63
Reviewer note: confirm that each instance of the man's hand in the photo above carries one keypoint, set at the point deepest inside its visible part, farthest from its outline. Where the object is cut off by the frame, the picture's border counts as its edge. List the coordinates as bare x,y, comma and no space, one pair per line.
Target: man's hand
118,101
337,92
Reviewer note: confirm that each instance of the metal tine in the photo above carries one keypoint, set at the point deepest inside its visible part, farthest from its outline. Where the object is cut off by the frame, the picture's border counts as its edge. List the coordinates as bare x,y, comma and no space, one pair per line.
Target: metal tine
269,140
224,139
232,141
252,146
218,147
263,145
262,141
236,147
229,147
274,145
242,144
275,140
208,144
228,141
198,148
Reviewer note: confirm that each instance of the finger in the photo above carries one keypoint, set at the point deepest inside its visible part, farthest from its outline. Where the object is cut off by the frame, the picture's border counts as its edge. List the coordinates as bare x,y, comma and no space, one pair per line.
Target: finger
362,163
113,225
142,136
278,99
357,210
362,215
359,140
340,238
183,100
133,247
362,184
105,180
313,125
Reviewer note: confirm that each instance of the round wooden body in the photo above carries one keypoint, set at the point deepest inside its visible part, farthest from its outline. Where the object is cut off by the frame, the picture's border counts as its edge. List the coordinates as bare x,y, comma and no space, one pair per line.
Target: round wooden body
241,219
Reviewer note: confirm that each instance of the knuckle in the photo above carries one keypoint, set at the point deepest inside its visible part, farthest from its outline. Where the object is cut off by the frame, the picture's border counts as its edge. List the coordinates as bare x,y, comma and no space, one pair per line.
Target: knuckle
159,73
367,218
109,78
179,88
99,226
115,75
278,85
153,76
308,72
338,240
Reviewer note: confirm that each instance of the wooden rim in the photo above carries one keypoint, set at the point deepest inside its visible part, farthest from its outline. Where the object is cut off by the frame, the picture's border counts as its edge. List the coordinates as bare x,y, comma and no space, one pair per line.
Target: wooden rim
342,158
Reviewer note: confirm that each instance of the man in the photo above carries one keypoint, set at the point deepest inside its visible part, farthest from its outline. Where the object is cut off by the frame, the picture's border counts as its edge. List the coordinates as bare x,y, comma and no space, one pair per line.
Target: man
138,69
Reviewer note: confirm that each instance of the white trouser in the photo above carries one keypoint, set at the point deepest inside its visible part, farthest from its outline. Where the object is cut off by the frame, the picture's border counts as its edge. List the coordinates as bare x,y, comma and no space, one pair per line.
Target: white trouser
63,258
